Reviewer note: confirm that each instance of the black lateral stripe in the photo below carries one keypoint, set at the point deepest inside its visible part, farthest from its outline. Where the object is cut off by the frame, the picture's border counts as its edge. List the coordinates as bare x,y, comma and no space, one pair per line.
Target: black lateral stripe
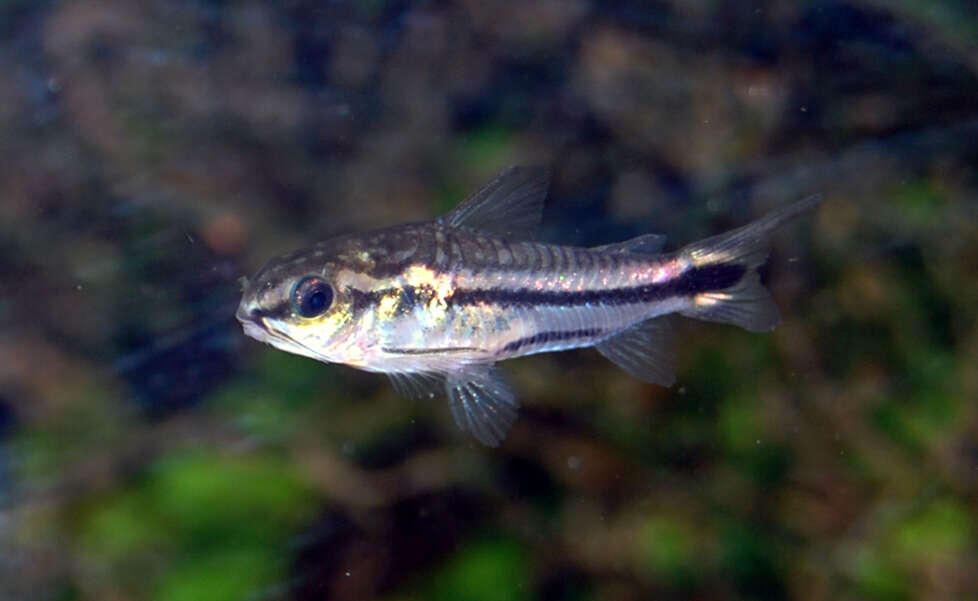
428,351
551,336
708,278
361,299
693,281
365,299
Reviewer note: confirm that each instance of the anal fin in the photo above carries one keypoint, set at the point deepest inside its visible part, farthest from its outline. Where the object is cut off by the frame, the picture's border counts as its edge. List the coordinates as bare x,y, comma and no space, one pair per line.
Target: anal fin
481,402
643,351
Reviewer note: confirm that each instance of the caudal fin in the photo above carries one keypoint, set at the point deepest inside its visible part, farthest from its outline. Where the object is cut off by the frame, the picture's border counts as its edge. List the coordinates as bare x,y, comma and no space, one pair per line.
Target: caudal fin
746,302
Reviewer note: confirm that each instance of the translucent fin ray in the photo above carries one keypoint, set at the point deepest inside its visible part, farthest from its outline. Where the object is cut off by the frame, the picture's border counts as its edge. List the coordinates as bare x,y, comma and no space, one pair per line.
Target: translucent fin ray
509,206
482,403
416,385
646,244
747,245
746,303
644,351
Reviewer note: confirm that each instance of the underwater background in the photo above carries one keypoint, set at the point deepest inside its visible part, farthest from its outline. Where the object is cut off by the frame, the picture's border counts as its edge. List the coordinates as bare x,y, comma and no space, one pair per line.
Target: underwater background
152,153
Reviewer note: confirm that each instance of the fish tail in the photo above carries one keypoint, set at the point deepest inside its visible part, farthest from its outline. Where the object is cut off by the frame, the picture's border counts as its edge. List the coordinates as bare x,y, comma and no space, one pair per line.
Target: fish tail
727,266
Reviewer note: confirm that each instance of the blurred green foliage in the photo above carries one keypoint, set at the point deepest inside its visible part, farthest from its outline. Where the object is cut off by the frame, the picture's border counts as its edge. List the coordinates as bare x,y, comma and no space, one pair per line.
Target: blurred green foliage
198,525
487,570
668,548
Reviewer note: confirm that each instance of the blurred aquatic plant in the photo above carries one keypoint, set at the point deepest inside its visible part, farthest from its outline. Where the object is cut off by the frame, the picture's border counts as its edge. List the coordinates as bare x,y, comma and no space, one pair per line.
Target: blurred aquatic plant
487,569
196,525
668,548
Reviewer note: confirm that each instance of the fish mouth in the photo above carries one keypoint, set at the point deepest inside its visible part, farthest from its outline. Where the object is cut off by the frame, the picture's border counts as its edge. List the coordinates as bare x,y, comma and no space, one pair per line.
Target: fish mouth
256,326
248,312
254,329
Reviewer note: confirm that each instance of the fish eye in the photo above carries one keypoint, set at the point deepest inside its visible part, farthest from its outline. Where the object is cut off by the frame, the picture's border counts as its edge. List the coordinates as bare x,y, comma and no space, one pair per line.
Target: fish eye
311,296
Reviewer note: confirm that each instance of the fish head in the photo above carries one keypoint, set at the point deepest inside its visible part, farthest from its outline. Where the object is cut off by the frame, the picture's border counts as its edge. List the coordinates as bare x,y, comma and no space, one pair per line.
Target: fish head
299,303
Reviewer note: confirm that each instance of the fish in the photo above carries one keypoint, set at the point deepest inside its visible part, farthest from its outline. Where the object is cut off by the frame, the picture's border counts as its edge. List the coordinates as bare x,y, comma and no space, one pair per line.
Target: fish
436,305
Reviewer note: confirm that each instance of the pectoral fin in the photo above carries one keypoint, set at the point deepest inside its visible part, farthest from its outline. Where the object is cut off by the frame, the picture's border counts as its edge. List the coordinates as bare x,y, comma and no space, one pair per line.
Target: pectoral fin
482,403
416,385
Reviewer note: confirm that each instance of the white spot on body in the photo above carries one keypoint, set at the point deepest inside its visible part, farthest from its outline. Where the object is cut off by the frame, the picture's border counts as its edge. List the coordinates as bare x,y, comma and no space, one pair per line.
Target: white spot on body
441,258
503,253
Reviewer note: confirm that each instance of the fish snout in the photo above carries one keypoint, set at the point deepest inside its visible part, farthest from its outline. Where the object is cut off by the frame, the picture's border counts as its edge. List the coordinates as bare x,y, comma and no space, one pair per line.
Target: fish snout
249,312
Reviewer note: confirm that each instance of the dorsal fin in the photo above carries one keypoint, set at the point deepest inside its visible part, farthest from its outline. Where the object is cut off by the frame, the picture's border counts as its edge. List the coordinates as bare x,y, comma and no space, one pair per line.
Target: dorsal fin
509,206
646,244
